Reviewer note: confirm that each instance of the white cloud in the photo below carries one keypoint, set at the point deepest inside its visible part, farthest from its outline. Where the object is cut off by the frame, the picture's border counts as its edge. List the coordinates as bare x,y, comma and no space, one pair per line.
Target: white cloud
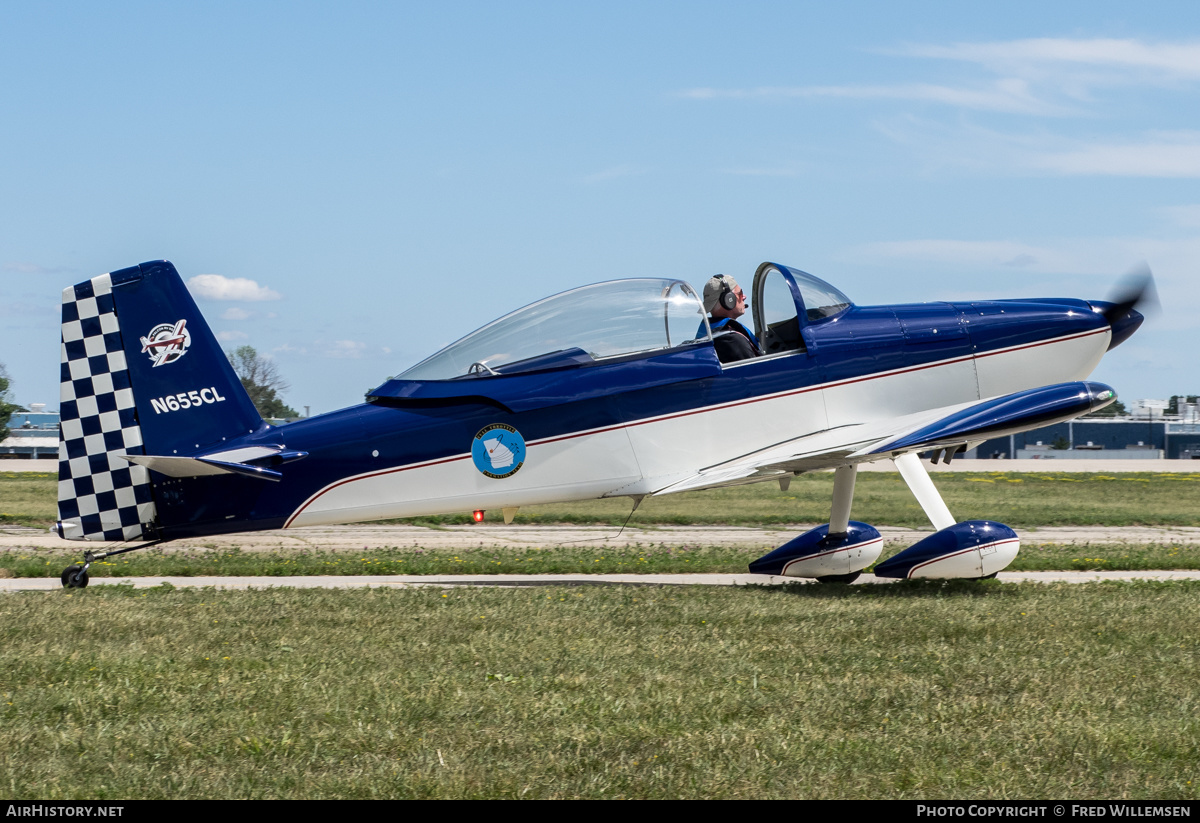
1005,95
346,349
1168,156
1186,216
220,287
232,336
1090,256
1044,76
1039,77
1087,267
236,313
1069,72
981,253
1181,59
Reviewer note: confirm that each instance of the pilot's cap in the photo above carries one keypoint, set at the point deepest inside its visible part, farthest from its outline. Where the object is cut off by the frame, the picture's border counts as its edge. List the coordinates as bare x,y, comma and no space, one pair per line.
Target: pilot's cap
712,290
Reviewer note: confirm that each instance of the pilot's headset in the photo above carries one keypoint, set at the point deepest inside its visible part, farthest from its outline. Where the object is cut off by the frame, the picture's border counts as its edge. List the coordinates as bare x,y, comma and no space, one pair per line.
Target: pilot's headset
726,299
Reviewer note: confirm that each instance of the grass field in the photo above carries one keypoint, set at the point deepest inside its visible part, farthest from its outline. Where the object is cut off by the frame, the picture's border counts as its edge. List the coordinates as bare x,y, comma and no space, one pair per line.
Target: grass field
913,690
28,498
881,498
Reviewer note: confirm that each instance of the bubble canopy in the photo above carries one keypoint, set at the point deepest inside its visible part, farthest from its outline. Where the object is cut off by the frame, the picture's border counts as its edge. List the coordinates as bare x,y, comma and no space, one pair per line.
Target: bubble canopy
584,325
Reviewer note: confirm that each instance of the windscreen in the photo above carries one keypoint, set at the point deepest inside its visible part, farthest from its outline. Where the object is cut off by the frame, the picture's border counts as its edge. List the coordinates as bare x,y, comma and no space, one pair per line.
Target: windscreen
604,320
820,298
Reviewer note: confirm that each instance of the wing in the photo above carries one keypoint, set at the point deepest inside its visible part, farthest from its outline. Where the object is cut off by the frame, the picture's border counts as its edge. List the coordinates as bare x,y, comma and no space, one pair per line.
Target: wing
946,428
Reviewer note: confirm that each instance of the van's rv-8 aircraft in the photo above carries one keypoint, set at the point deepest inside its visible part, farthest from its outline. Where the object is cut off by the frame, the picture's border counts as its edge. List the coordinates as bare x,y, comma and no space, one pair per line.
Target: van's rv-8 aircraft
608,390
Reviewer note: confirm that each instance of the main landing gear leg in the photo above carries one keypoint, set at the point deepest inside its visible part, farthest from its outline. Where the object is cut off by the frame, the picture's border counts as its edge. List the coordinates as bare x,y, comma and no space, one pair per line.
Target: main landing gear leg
922,487
839,515
843,496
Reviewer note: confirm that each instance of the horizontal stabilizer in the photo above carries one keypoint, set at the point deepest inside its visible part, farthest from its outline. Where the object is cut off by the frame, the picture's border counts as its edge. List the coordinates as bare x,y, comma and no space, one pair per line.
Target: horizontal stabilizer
199,467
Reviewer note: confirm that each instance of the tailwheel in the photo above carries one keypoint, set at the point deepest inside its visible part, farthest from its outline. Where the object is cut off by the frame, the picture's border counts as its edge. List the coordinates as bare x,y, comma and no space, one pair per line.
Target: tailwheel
74,577
839,578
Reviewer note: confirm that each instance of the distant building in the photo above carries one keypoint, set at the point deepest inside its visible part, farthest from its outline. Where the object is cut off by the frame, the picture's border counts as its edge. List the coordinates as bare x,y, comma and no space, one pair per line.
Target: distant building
32,434
1148,434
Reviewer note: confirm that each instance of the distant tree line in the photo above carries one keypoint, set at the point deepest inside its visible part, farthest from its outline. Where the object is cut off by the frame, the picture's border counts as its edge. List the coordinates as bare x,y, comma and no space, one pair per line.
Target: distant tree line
1178,400
6,406
1117,408
1113,409
261,378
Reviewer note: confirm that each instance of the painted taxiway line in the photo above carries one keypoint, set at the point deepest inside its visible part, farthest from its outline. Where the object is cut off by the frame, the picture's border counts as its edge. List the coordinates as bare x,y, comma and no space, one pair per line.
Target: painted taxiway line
525,580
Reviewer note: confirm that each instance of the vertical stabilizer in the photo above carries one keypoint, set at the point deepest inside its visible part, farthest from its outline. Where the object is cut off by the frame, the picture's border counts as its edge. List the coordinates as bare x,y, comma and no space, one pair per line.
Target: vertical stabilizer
141,374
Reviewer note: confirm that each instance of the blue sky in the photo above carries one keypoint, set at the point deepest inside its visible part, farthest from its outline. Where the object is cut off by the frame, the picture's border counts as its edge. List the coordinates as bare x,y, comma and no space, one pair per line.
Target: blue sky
391,176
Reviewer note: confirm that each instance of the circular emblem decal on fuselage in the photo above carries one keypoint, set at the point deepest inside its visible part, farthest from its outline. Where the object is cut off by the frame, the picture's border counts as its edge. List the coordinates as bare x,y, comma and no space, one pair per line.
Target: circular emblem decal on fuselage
498,451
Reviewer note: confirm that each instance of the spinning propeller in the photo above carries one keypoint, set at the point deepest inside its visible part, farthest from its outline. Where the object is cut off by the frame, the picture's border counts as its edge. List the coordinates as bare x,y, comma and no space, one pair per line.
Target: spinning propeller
1135,289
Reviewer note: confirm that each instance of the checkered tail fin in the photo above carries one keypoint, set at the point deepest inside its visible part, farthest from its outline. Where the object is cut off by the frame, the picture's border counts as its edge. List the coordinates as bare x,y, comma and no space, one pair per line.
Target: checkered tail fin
141,374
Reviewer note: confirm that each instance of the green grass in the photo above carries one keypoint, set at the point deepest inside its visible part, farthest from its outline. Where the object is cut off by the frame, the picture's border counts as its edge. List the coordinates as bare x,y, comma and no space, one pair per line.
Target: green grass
482,560
28,498
882,499
920,691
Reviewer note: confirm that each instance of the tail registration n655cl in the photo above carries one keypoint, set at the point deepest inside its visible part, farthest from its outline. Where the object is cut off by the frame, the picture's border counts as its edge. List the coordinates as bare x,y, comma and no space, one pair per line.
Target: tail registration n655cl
185,400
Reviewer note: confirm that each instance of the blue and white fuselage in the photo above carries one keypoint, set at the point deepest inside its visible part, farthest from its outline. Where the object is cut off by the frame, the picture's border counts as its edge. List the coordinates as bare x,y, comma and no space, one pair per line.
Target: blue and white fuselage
602,391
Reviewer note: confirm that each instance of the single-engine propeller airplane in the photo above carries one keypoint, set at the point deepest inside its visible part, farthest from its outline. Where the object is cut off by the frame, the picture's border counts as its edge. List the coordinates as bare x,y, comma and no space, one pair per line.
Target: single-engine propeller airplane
609,390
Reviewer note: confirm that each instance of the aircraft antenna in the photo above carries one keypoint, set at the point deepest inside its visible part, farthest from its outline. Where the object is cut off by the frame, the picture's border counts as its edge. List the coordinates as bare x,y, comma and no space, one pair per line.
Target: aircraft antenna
637,501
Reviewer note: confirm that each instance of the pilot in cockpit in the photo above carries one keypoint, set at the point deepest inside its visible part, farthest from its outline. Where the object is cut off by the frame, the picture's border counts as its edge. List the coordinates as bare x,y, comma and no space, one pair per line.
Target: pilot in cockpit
725,301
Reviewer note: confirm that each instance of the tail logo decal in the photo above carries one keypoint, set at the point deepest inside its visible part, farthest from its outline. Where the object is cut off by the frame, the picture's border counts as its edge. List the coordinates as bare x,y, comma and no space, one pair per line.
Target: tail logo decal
167,342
